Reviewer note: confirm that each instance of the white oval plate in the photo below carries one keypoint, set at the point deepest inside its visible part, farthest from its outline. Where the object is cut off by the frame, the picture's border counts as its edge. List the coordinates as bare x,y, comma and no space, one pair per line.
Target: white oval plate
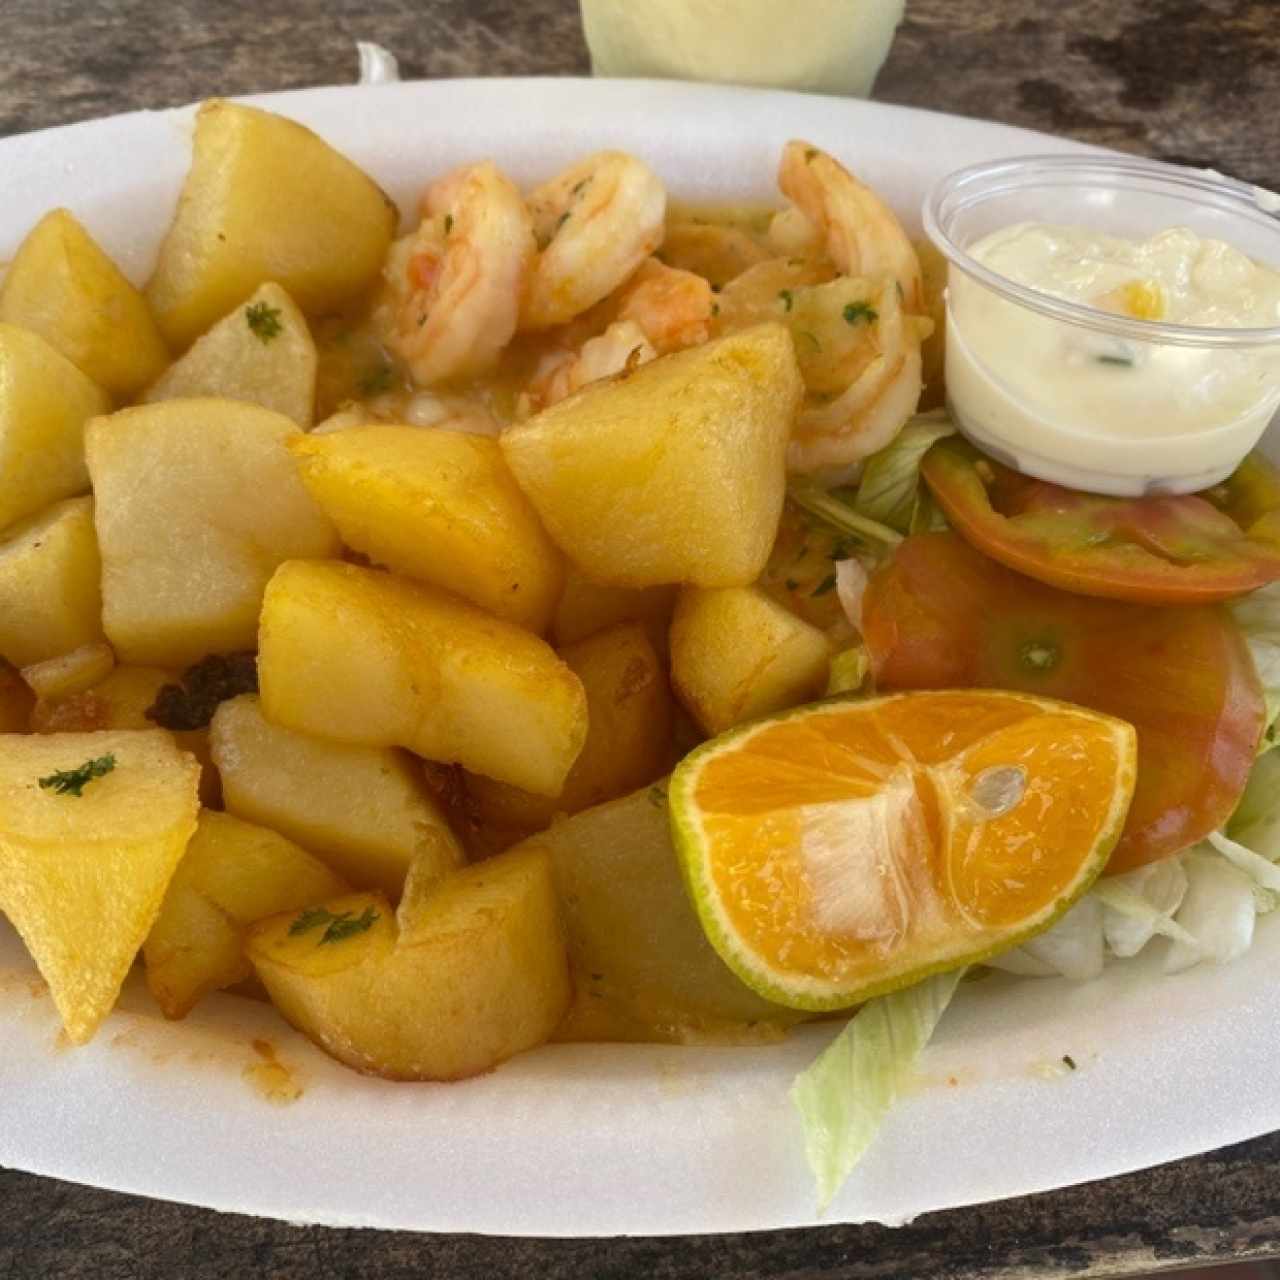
604,1140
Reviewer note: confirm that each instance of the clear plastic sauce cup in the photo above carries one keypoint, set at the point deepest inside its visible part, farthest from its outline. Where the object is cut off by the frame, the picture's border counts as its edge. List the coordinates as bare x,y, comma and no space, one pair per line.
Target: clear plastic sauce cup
1137,406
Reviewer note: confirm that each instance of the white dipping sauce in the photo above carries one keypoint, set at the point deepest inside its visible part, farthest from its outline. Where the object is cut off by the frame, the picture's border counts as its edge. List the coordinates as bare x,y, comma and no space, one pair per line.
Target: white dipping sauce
1110,413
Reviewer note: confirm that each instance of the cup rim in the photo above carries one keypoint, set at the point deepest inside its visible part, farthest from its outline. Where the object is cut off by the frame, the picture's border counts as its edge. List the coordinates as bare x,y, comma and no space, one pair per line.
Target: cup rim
978,182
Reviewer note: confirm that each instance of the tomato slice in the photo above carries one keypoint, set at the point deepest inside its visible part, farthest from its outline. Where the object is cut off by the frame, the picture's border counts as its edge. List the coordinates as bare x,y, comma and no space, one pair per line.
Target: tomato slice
1192,549
941,615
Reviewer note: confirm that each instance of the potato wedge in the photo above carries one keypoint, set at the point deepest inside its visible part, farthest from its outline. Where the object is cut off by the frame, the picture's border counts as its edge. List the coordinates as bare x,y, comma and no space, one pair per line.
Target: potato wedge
117,701
120,701
62,286
261,352
361,656
440,507
672,473
586,607
197,502
50,602
643,969
470,973
71,672
44,403
266,199
82,875
737,654
364,810
232,874
629,710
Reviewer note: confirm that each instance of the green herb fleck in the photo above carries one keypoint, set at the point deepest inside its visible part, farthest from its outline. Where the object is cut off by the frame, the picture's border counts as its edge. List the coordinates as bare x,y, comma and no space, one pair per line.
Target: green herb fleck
343,926
856,312
785,296
657,797
804,333
827,584
337,927
309,919
578,186
1069,1062
264,321
1124,362
562,219
72,782
448,223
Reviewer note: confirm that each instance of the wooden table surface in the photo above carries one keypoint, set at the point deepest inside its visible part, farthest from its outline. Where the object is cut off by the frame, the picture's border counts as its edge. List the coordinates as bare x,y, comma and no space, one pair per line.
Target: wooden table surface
1190,80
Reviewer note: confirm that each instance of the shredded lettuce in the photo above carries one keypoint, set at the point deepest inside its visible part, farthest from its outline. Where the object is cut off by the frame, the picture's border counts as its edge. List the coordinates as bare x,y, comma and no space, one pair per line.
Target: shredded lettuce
831,507
851,585
1140,905
1258,617
849,670
1262,870
1256,821
1074,947
844,1096
1218,912
889,490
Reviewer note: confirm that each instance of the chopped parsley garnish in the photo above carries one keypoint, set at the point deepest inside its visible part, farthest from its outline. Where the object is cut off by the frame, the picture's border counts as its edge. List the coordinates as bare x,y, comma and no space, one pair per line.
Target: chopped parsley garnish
1124,362
855,312
308,920
264,321
343,926
657,797
72,782
804,333
562,219
337,927
827,584
784,296
1069,1062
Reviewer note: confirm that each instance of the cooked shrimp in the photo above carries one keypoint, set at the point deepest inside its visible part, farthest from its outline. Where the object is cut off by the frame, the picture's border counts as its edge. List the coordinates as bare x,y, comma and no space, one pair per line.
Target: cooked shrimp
860,232
767,291
622,345
660,309
673,308
459,281
859,353
595,223
718,253
792,234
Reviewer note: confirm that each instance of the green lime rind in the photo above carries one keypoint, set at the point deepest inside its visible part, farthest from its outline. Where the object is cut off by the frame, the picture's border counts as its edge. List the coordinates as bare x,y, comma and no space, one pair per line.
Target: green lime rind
819,995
